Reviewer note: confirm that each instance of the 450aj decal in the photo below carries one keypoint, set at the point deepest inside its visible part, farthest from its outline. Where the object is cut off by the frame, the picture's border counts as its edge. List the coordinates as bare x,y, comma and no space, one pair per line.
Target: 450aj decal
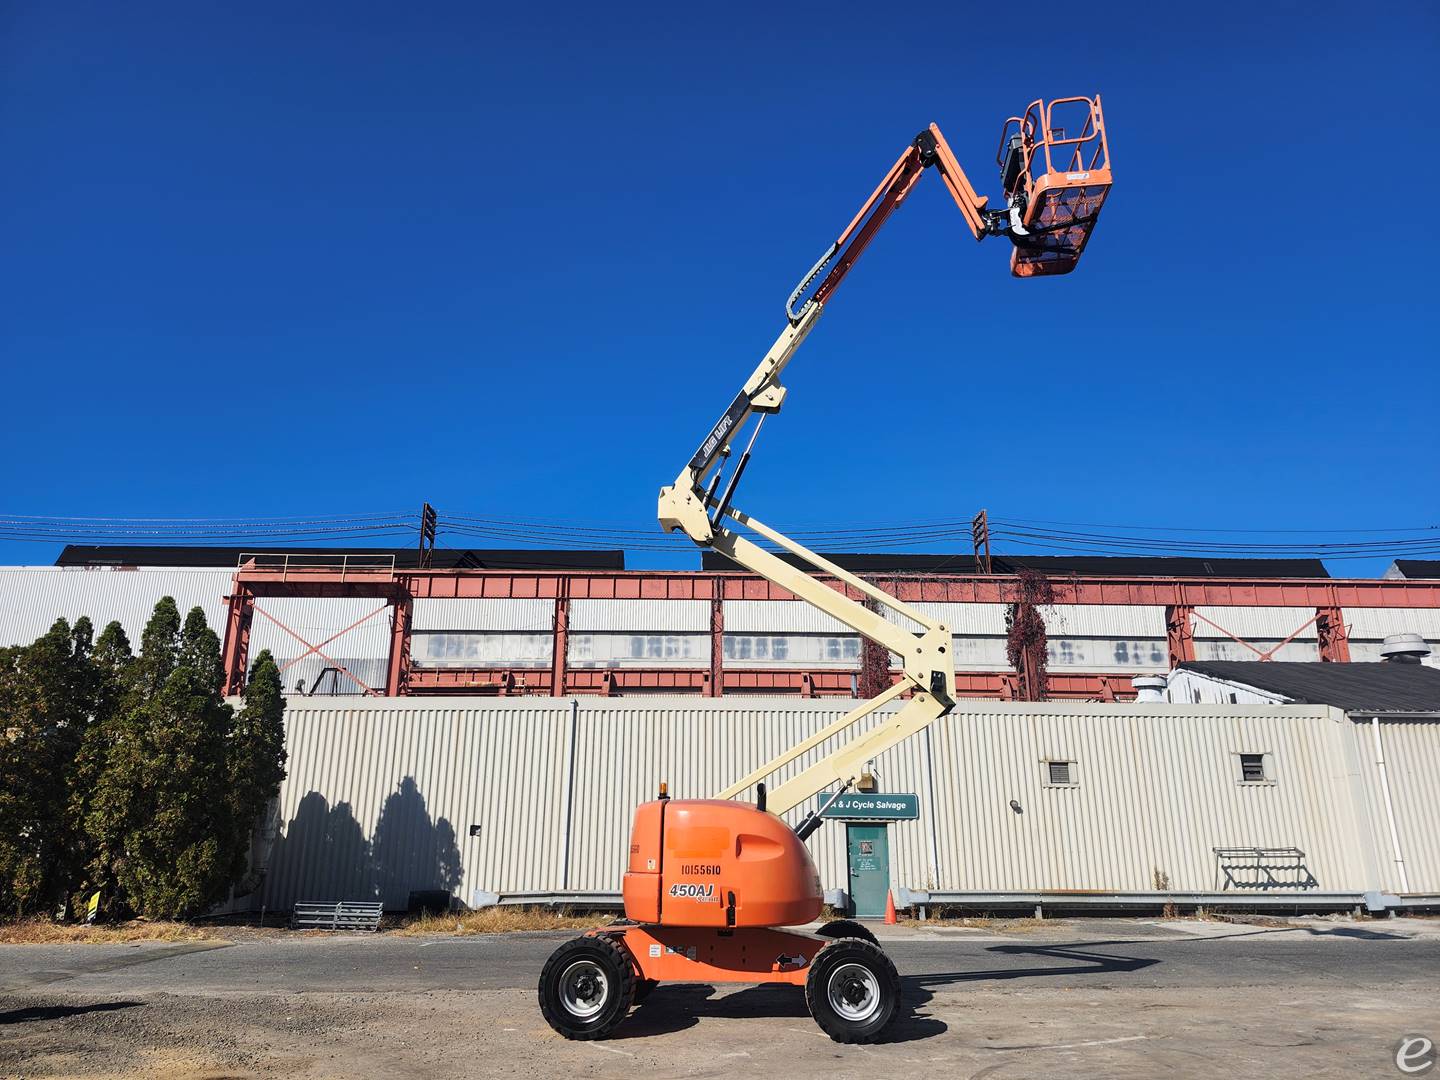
689,890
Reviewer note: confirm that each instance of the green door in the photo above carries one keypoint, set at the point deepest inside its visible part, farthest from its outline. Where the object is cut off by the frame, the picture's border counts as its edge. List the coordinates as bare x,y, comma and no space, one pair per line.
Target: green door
869,859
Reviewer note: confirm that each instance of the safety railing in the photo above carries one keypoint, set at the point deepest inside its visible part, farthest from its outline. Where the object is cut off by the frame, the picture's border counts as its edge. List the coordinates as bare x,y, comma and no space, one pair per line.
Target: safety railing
1040,133
300,566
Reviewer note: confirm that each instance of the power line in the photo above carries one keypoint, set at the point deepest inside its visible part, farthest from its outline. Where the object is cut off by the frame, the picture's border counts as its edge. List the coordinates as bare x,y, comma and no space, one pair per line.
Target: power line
1032,534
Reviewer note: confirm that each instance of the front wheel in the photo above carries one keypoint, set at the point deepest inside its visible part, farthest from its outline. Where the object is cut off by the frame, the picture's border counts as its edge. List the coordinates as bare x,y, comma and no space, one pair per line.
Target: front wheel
587,987
839,928
853,991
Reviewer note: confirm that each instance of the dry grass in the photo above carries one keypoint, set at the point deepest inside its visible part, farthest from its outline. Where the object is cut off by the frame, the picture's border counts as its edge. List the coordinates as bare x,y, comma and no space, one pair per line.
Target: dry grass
1014,926
501,920
45,932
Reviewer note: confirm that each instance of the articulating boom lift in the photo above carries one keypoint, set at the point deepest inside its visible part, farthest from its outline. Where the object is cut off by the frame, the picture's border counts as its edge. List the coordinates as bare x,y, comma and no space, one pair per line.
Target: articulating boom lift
710,881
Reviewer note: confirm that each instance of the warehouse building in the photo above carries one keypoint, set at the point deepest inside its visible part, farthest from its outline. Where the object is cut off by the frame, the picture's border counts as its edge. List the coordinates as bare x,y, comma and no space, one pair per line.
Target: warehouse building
365,622
516,778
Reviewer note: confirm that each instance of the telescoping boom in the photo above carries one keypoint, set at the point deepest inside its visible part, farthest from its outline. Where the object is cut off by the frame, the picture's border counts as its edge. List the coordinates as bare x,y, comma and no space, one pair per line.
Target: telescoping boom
1048,216
711,885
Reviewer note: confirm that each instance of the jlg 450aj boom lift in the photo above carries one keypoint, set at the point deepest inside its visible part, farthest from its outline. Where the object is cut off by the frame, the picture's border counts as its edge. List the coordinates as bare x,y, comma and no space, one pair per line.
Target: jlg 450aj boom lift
710,882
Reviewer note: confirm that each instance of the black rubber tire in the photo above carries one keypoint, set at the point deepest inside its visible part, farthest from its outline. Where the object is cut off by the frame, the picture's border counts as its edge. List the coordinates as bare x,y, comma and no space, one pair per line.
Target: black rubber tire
841,928
618,994
643,988
882,986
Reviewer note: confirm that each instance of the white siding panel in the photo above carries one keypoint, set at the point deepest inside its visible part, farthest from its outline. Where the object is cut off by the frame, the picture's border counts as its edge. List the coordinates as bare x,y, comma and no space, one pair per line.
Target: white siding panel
779,617
1412,766
501,615
1229,649
381,796
33,597
984,619
1362,651
1257,623
1158,790
639,616
1104,620
1378,623
1185,687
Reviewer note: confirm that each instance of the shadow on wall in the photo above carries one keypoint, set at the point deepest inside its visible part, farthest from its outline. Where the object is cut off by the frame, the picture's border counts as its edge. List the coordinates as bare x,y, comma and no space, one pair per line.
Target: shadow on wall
323,853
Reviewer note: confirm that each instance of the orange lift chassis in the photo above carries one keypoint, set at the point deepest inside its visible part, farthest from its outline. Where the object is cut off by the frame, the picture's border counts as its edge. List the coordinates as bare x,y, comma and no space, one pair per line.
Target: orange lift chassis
711,883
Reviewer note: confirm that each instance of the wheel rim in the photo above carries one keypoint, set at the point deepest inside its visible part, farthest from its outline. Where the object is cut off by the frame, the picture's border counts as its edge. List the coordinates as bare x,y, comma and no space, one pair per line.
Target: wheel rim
854,992
584,989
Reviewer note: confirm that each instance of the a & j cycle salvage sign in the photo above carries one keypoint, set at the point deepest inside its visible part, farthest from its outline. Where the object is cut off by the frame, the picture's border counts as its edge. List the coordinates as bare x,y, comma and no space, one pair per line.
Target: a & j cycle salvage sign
890,806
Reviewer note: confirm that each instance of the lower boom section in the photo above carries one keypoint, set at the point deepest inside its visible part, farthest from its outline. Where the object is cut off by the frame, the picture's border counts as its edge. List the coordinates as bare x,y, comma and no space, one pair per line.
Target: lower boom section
590,983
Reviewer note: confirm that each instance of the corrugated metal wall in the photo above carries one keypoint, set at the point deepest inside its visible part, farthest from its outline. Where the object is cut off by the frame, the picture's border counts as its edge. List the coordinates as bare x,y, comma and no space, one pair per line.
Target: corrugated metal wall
33,597
640,615
1157,790
779,617
488,614
382,795
1412,765
362,649
1186,687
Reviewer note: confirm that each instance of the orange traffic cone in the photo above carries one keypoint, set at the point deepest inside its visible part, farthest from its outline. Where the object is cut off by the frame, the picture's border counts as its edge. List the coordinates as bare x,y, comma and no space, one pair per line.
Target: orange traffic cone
890,919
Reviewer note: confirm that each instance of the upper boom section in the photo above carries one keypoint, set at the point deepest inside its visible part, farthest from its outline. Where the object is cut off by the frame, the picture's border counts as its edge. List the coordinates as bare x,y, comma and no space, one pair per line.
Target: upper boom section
1049,214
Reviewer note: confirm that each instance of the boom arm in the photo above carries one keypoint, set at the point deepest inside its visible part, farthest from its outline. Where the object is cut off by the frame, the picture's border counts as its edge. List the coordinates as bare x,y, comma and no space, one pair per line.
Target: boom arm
688,505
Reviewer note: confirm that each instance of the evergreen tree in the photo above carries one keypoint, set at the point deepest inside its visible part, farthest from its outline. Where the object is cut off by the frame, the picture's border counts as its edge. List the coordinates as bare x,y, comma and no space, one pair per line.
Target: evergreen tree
110,661
46,703
131,774
256,759
160,813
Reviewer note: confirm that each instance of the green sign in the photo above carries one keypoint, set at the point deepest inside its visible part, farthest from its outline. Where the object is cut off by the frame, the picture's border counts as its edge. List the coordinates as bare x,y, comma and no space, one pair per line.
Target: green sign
874,806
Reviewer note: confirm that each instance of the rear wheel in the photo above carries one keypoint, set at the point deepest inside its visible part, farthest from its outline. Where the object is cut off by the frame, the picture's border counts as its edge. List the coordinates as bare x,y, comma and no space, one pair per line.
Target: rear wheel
841,928
587,987
853,991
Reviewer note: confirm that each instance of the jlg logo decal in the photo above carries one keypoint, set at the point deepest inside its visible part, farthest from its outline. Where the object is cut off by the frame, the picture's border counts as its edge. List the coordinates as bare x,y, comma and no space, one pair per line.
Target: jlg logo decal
688,890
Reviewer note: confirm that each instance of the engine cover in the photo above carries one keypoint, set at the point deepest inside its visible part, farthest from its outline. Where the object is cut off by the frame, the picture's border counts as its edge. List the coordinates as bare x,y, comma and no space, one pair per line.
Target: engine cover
713,862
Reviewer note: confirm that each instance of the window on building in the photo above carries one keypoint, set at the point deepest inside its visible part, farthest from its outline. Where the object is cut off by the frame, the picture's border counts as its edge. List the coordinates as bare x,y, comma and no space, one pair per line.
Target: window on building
476,649
791,650
598,649
1253,769
1060,774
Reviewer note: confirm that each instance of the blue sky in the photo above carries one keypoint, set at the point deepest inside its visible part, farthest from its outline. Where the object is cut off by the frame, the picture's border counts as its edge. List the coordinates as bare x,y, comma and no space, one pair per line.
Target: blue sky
295,259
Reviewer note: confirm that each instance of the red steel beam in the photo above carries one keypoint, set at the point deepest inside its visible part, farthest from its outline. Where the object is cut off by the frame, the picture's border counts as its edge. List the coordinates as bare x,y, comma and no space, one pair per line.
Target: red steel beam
964,589
1000,685
397,680
236,652
1334,640
560,648
717,645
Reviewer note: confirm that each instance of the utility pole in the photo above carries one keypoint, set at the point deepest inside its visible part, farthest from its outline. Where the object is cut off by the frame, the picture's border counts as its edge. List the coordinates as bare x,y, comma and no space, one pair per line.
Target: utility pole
980,539
428,522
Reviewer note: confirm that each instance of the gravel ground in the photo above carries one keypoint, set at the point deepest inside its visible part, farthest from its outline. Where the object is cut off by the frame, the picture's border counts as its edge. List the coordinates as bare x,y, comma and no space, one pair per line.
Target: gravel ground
1205,1001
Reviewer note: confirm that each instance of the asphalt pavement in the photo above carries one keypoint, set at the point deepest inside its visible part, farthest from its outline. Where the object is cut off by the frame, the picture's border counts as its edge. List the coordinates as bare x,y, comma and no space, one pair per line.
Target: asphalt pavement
1105,998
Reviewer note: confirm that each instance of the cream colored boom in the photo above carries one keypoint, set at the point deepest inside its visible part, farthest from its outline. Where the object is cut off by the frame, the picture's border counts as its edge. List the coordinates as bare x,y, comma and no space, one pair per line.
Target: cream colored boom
927,664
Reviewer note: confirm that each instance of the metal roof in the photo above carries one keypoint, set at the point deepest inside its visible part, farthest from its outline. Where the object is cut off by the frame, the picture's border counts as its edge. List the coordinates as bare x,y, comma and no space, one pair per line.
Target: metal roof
1356,688
1085,565
1418,568
405,558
